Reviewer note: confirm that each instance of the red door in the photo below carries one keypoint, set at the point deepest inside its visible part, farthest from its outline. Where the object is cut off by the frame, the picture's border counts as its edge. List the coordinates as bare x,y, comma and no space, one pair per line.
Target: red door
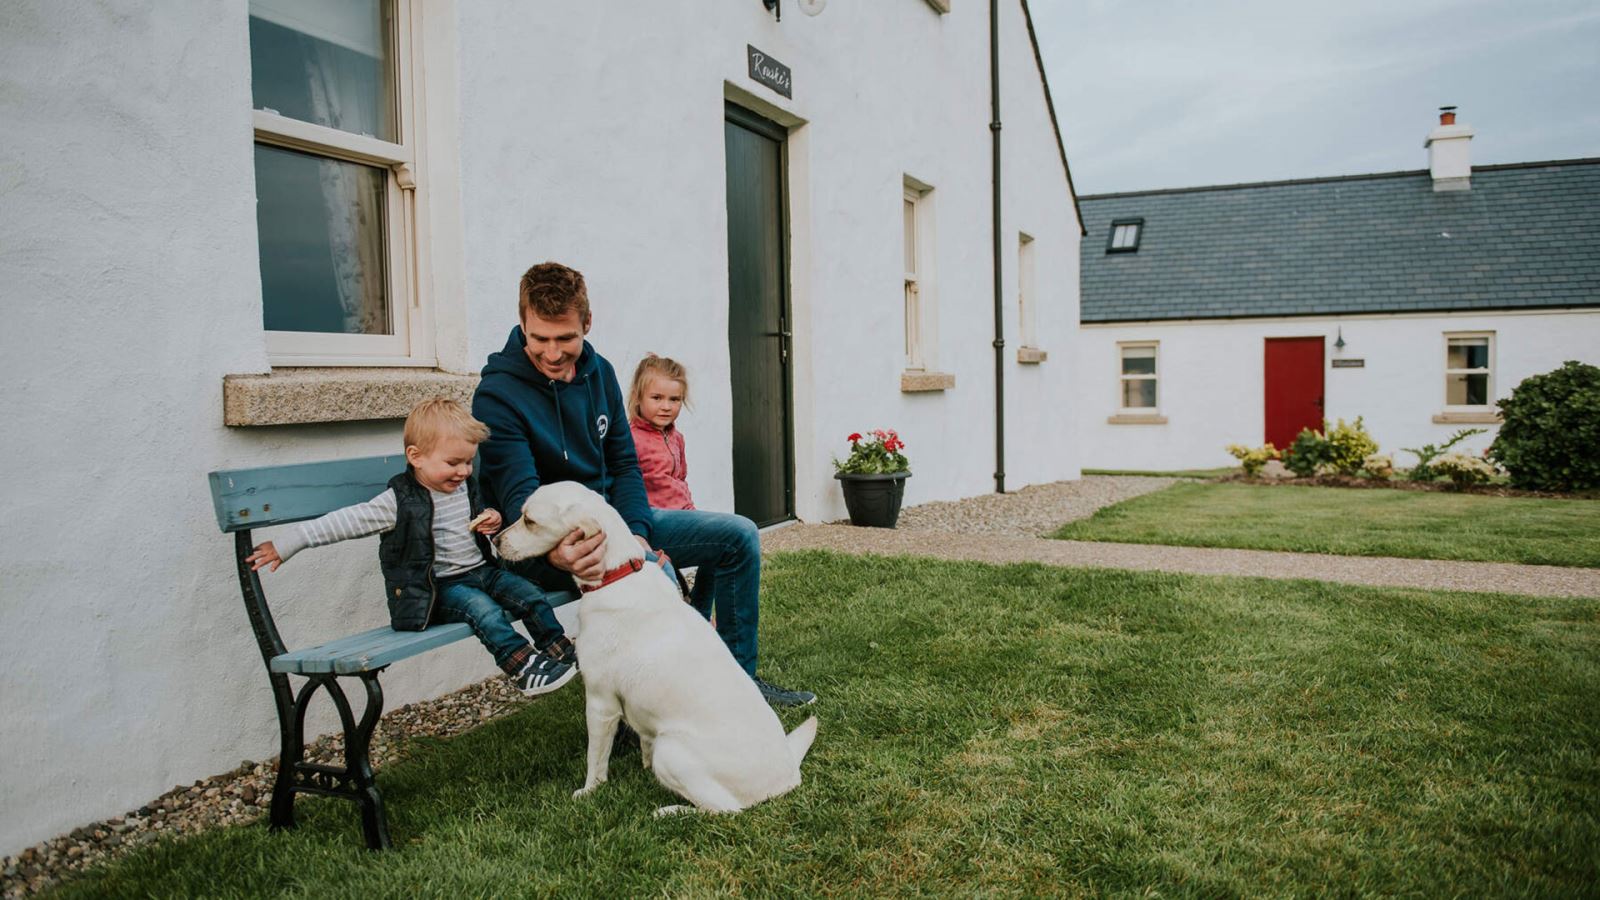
1294,388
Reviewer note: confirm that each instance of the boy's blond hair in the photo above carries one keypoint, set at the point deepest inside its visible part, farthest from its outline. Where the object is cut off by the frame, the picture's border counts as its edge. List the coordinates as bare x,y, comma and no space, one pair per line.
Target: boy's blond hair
432,420
658,367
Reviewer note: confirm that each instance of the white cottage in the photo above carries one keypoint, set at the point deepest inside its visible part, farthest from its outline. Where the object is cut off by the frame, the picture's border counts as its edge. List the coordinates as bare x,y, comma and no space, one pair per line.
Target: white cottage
1244,313
253,233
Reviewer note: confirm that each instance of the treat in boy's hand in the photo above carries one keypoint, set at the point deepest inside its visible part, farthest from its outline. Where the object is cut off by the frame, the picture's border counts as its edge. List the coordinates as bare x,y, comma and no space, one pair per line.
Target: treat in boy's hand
481,518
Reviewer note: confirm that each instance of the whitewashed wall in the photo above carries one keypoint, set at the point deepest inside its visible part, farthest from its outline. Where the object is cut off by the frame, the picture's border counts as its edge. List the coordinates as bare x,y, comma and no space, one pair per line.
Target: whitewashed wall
1211,380
128,269
881,91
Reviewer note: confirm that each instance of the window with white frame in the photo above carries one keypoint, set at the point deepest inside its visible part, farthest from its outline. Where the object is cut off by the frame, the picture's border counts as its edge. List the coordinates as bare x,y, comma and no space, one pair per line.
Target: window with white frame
336,167
916,209
1137,377
1025,290
1469,369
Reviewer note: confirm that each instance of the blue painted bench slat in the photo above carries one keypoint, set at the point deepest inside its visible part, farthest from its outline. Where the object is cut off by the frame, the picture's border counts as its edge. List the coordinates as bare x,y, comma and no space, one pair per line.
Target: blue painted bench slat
275,495
244,499
368,651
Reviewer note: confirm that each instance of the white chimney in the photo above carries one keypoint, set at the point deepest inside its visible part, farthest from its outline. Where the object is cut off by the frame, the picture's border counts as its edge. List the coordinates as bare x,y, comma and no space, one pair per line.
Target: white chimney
1449,160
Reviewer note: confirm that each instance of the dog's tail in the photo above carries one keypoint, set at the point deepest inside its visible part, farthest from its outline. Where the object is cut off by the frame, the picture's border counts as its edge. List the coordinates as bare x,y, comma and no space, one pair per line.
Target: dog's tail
800,739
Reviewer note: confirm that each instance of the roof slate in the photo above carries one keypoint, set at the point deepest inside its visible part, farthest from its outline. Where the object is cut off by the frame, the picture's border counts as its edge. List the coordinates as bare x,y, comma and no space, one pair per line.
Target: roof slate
1525,236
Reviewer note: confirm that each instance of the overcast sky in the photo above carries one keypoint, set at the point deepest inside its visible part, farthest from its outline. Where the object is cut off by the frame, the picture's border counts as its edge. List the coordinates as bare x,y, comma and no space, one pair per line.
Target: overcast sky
1168,93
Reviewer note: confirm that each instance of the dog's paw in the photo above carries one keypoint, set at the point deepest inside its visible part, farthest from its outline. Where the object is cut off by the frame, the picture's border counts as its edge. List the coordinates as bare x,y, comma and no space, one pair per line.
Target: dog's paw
584,791
677,810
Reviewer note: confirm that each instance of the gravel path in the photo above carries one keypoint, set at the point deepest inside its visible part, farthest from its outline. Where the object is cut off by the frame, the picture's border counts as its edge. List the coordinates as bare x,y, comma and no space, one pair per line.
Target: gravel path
1033,511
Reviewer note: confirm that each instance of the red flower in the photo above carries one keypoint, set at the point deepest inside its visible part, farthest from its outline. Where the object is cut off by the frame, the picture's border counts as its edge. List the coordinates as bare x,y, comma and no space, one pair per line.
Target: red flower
853,437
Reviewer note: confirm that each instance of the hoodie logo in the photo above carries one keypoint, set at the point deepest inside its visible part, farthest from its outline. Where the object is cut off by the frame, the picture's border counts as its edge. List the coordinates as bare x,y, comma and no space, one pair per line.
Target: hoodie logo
602,424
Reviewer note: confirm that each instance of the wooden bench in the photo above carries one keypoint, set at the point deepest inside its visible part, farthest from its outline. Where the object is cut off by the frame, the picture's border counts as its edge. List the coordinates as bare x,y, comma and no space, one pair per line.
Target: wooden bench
276,495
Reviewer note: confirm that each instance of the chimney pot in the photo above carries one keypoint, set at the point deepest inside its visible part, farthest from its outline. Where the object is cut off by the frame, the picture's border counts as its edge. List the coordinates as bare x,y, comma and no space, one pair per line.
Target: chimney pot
1447,115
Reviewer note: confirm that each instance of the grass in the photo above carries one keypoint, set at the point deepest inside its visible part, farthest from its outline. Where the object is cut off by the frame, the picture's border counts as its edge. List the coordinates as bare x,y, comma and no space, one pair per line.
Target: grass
1021,731
1175,473
1412,524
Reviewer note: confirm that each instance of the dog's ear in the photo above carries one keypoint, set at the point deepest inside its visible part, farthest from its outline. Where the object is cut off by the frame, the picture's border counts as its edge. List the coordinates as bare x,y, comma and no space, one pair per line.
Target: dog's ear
589,525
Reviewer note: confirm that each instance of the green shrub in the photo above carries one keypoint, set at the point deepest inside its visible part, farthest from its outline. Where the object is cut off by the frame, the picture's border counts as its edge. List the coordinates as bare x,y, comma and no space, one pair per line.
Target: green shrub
1309,450
1463,470
1378,465
1550,439
1253,459
1423,470
1349,446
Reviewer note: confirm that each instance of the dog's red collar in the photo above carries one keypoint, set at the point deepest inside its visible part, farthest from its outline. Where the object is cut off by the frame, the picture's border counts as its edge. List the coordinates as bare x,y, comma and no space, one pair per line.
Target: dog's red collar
617,574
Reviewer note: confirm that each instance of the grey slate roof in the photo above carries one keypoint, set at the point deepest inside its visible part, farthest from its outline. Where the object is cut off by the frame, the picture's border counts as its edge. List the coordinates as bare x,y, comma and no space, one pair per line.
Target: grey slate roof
1525,236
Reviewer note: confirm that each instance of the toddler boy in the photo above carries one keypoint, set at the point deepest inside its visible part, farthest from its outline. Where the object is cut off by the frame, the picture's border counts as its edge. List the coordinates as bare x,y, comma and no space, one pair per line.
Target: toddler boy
434,551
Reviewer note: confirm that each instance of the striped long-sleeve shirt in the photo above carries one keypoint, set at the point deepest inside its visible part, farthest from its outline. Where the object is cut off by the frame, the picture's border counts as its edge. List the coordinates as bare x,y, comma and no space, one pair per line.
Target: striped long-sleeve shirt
454,550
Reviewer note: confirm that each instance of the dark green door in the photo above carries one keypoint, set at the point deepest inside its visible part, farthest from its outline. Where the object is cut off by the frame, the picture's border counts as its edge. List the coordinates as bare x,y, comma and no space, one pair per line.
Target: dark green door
758,319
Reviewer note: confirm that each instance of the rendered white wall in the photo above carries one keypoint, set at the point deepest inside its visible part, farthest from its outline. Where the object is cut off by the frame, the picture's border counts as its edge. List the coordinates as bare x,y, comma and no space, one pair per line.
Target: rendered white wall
129,272
1211,380
634,197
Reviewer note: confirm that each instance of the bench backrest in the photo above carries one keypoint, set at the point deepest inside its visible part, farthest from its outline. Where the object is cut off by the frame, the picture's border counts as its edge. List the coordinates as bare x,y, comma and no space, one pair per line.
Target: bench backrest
275,495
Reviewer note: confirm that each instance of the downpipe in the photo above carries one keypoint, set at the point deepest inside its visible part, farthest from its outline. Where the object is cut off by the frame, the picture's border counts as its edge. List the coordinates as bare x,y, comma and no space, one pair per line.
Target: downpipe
999,298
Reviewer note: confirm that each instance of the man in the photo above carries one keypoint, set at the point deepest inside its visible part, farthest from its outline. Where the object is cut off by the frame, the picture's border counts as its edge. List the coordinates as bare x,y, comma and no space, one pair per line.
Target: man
555,413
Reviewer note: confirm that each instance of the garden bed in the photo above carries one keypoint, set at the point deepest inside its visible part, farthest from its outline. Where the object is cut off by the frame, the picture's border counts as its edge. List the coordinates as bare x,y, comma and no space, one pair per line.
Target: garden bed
1403,484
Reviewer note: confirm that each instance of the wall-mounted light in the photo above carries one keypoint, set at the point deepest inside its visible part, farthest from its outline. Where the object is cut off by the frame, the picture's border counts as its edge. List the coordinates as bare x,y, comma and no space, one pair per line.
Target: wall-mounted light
1338,342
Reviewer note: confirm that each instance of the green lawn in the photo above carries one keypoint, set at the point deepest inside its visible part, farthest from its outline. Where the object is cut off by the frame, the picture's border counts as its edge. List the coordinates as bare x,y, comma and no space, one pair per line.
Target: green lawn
1354,522
1175,473
1021,731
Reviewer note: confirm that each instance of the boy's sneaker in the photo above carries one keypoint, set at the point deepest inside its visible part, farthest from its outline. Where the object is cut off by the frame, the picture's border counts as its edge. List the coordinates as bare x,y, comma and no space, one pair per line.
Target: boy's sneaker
551,667
777,696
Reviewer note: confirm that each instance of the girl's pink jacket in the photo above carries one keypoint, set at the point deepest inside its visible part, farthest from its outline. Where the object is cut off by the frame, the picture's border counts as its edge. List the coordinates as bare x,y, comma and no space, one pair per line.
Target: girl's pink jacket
663,464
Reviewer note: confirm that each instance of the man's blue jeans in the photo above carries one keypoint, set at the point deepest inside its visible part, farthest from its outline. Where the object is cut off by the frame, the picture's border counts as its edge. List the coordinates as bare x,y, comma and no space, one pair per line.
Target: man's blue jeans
727,551
488,598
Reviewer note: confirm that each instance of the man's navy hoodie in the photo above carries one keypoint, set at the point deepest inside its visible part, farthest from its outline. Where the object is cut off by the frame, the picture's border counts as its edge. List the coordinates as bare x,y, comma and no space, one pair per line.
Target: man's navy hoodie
543,430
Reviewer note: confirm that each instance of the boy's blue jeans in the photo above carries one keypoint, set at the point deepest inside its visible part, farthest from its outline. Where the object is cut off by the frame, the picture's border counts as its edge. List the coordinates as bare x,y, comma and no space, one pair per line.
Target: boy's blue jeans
488,598
727,551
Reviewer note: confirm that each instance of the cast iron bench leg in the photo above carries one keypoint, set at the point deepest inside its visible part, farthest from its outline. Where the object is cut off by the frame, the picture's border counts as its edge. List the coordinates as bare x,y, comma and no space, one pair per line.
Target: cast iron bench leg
357,760
354,781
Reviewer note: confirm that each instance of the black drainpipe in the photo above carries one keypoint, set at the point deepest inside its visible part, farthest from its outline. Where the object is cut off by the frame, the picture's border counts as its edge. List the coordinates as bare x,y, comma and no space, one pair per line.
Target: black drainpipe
999,318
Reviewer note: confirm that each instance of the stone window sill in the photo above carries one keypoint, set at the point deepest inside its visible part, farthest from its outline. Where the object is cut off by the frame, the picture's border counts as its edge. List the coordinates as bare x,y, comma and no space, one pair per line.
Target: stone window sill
1491,417
1136,420
917,382
294,396
1031,356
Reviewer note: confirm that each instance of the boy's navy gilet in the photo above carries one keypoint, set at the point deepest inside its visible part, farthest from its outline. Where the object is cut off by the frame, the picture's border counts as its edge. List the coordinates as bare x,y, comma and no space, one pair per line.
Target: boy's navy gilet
405,552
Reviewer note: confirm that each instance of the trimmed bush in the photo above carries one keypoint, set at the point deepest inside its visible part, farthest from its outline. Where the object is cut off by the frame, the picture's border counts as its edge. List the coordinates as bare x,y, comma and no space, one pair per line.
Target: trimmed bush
1378,465
1550,439
1309,450
1349,446
1253,460
1463,470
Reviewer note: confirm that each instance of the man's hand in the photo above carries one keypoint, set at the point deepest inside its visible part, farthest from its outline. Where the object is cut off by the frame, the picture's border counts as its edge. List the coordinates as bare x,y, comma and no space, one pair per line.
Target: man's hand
265,557
580,555
487,522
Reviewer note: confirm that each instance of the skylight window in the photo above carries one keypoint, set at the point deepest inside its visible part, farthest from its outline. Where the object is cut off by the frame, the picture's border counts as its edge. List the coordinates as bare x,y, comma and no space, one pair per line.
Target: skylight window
1125,235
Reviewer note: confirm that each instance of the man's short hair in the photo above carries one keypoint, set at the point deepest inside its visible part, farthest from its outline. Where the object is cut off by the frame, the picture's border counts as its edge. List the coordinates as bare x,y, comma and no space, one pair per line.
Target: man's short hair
551,290
431,421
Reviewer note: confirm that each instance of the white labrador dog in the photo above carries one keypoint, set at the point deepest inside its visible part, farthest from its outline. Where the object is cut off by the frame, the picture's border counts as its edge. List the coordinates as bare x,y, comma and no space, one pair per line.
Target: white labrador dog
649,658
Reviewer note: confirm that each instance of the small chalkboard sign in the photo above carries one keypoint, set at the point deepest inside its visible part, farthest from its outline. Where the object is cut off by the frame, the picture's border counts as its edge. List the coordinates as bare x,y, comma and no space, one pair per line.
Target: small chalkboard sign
1349,364
770,72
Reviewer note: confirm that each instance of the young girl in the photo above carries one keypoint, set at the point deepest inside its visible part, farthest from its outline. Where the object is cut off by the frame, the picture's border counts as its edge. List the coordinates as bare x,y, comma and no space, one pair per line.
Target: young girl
660,389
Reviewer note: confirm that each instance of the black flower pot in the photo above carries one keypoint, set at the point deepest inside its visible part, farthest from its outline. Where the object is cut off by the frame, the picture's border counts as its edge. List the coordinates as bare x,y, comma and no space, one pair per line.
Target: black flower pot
873,500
